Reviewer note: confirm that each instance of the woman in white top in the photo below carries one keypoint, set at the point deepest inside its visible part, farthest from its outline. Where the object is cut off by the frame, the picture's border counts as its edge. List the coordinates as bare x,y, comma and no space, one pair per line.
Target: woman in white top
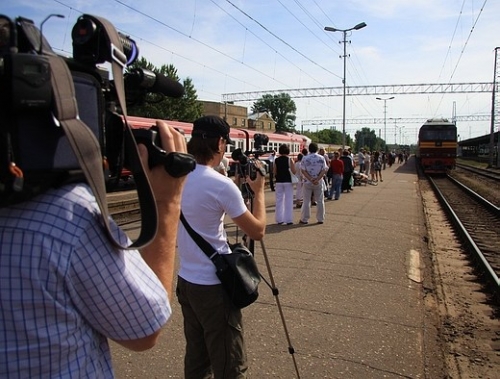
283,165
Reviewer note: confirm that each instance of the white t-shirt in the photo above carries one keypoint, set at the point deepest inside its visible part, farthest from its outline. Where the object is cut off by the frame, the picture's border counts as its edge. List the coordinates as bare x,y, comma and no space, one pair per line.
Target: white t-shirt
206,198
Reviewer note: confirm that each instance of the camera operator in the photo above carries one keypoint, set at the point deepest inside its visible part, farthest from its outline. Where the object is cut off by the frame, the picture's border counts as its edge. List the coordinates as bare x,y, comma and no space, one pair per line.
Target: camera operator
66,290
212,325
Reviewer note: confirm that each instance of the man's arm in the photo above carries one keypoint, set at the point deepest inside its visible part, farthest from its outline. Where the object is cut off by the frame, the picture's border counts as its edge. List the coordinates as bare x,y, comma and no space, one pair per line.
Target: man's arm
160,253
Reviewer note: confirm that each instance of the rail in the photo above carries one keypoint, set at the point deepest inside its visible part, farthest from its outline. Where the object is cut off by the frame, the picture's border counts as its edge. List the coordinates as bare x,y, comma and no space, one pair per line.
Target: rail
482,246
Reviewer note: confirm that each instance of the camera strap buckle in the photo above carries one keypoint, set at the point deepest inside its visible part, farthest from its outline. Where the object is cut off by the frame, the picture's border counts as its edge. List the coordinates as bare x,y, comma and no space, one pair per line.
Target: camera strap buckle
117,56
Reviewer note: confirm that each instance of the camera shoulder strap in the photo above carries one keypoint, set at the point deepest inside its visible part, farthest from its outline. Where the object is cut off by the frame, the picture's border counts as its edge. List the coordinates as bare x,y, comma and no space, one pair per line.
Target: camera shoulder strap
87,150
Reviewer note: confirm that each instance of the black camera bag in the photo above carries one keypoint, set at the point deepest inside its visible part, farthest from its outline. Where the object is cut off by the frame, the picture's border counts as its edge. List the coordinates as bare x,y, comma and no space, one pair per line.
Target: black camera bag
238,271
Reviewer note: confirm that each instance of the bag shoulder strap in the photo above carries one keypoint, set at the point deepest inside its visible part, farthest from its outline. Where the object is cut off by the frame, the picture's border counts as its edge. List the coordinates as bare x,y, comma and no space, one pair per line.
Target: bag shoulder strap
209,251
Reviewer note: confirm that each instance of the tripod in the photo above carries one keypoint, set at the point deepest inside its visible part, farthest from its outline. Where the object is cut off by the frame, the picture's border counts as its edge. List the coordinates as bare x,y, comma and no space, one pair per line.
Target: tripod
248,195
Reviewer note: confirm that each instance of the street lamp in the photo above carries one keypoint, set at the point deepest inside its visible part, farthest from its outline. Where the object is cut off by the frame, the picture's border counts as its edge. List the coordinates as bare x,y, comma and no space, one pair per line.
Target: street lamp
385,117
41,29
344,31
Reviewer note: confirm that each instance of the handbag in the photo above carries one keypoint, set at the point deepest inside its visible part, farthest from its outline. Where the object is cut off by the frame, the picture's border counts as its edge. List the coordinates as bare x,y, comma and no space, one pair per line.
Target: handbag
293,177
237,272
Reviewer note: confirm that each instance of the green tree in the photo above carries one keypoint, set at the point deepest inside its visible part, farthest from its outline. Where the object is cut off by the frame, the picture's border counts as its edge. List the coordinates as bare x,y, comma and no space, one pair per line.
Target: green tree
330,136
367,138
282,109
152,105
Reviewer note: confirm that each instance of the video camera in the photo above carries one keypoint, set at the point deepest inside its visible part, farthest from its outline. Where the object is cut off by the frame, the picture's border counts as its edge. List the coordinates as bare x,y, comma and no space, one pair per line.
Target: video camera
35,152
247,166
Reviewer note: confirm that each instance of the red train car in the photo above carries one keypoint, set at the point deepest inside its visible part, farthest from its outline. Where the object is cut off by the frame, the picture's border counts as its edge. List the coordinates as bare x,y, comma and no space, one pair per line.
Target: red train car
243,138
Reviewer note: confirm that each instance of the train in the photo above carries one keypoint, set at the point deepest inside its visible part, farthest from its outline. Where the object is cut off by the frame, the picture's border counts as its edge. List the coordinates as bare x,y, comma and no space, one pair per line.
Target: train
437,146
244,139
478,149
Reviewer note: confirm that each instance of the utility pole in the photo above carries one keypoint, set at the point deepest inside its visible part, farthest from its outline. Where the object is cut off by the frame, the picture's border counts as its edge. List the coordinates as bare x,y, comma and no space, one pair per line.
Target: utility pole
494,109
385,118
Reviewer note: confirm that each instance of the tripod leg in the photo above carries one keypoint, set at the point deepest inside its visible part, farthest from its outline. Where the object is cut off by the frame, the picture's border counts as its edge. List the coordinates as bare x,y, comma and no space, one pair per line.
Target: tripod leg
275,291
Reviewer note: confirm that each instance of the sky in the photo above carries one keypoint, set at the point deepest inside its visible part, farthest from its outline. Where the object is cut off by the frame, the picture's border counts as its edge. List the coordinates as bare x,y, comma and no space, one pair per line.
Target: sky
235,46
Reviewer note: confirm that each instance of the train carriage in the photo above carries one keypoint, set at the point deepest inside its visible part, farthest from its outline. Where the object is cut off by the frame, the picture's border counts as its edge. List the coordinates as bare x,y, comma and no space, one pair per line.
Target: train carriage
244,139
437,146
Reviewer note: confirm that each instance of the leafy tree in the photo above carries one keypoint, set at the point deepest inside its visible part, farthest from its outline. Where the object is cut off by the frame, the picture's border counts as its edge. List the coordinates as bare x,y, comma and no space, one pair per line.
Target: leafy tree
329,136
367,138
153,105
282,109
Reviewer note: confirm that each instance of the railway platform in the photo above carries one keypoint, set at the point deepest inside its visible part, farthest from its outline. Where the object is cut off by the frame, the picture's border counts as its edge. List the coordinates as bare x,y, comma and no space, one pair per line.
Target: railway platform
351,290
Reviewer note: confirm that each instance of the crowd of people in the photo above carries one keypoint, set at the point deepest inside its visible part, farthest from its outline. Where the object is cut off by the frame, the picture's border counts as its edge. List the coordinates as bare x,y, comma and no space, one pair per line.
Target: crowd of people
323,176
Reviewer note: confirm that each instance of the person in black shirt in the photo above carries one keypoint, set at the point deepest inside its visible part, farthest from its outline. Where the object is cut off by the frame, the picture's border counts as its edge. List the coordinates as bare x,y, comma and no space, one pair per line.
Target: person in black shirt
348,169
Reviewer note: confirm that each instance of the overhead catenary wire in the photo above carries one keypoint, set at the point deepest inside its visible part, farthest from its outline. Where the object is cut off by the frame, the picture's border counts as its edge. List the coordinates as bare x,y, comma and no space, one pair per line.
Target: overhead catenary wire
274,74
462,50
225,74
281,39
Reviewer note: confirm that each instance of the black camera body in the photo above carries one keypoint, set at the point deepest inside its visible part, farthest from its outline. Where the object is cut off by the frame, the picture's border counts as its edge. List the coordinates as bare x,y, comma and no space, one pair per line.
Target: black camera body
246,163
176,164
247,166
35,153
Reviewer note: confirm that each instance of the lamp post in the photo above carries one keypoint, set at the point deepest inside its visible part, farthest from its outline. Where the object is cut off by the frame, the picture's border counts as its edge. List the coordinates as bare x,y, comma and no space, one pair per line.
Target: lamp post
344,31
41,28
385,118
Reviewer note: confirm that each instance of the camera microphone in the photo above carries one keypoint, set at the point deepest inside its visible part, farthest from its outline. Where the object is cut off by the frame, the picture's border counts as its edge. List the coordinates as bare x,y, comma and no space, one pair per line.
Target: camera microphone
154,82
237,155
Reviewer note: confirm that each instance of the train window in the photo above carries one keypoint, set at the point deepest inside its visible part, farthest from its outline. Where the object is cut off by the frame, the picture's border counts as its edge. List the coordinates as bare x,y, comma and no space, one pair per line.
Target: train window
438,135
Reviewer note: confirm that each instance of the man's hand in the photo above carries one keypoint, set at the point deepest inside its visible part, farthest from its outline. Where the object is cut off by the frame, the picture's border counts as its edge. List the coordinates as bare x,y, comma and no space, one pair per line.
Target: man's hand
257,185
165,187
160,253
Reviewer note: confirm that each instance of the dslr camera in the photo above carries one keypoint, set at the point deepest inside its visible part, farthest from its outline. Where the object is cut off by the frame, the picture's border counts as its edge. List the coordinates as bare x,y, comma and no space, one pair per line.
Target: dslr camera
35,152
247,166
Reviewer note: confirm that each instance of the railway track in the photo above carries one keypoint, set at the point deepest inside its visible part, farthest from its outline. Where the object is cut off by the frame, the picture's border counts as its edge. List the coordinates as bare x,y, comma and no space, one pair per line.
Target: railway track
477,221
124,207
493,175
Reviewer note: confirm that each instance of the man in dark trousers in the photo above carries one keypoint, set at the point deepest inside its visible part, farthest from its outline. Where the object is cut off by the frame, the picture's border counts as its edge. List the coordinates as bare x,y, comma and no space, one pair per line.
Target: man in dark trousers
348,169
